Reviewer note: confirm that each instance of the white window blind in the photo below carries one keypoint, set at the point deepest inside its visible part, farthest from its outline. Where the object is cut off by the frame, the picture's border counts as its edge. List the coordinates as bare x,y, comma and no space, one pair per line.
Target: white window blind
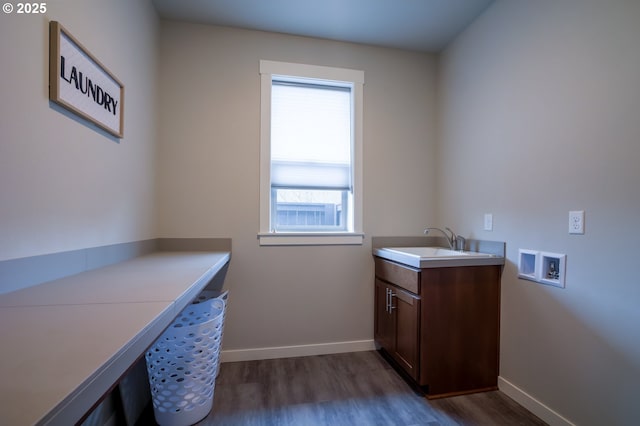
310,136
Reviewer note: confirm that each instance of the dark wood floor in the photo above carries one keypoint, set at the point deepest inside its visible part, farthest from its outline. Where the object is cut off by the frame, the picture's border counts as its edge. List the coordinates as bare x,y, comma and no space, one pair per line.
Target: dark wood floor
345,389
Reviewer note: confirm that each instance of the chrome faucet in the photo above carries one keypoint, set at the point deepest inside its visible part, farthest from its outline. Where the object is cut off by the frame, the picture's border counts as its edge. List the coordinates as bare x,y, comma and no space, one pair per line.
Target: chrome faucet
456,242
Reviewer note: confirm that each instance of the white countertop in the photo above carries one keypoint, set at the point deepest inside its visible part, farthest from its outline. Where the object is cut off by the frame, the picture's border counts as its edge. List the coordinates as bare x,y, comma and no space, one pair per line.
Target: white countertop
66,342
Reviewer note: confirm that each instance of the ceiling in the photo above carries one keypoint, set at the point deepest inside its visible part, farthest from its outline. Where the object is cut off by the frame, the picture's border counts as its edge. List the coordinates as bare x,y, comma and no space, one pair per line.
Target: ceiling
421,25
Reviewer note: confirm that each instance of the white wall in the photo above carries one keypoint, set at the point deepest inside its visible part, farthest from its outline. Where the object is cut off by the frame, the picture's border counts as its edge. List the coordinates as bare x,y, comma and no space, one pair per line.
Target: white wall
64,185
209,171
539,115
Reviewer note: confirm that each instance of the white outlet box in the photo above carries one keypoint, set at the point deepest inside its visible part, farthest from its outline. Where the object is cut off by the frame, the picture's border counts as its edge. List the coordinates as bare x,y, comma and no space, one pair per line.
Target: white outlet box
552,268
576,222
528,264
542,267
488,222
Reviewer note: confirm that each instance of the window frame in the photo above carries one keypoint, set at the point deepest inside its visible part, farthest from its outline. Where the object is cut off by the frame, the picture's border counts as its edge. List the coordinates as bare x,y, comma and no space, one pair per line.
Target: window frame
355,78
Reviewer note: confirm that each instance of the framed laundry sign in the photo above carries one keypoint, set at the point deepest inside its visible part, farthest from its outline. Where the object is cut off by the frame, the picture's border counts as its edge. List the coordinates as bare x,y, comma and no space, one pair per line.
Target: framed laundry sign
81,84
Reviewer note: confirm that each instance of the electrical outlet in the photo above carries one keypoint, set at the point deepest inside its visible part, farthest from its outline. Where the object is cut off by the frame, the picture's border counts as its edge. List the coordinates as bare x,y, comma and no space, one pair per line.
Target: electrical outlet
576,222
488,222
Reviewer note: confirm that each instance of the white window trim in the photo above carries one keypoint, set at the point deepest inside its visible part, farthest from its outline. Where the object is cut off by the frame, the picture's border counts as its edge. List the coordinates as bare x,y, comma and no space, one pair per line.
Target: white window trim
356,77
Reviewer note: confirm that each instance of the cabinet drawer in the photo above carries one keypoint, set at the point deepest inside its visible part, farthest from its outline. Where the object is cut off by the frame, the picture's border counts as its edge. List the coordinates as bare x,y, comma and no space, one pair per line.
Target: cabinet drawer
402,276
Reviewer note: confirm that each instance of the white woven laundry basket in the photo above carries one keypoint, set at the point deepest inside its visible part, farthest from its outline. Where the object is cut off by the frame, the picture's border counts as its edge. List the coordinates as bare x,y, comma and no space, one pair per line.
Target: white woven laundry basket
206,295
183,362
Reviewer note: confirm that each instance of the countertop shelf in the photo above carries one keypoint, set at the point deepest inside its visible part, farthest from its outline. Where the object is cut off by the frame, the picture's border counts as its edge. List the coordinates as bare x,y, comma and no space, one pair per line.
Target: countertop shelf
66,342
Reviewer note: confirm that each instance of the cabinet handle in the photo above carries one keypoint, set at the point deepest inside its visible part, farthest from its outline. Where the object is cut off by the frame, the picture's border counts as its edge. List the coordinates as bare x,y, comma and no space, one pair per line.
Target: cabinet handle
386,308
391,296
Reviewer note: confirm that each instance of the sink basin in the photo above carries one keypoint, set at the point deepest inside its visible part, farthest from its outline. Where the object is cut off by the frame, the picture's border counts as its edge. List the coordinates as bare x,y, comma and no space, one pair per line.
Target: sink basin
432,257
435,252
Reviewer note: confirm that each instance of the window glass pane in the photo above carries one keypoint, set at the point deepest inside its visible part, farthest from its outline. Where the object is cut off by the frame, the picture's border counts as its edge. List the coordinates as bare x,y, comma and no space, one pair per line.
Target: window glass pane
309,210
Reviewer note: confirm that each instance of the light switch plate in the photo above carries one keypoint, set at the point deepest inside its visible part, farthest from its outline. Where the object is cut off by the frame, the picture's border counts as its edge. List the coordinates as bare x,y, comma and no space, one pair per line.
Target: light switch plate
488,222
576,222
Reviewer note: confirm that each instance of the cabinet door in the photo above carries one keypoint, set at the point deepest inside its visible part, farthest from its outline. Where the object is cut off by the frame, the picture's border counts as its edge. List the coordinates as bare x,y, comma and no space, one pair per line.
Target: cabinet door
460,329
384,328
406,310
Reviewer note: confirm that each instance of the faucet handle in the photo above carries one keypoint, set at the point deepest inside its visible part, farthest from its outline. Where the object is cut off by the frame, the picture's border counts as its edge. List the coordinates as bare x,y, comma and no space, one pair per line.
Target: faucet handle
460,243
453,234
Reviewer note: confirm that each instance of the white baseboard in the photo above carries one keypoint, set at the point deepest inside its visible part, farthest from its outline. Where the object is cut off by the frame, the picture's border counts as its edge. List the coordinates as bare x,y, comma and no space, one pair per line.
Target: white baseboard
530,403
299,350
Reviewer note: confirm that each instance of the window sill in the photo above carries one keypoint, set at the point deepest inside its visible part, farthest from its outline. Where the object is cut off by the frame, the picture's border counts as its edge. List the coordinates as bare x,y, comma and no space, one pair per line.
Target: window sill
310,239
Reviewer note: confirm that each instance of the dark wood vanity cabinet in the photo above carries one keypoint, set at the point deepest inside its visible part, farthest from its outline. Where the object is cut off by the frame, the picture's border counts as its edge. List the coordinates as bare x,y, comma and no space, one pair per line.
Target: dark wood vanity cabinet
440,325
396,325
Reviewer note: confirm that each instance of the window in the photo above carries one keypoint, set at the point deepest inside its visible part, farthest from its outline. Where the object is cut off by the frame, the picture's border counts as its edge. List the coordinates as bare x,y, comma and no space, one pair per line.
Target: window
311,188
311,153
